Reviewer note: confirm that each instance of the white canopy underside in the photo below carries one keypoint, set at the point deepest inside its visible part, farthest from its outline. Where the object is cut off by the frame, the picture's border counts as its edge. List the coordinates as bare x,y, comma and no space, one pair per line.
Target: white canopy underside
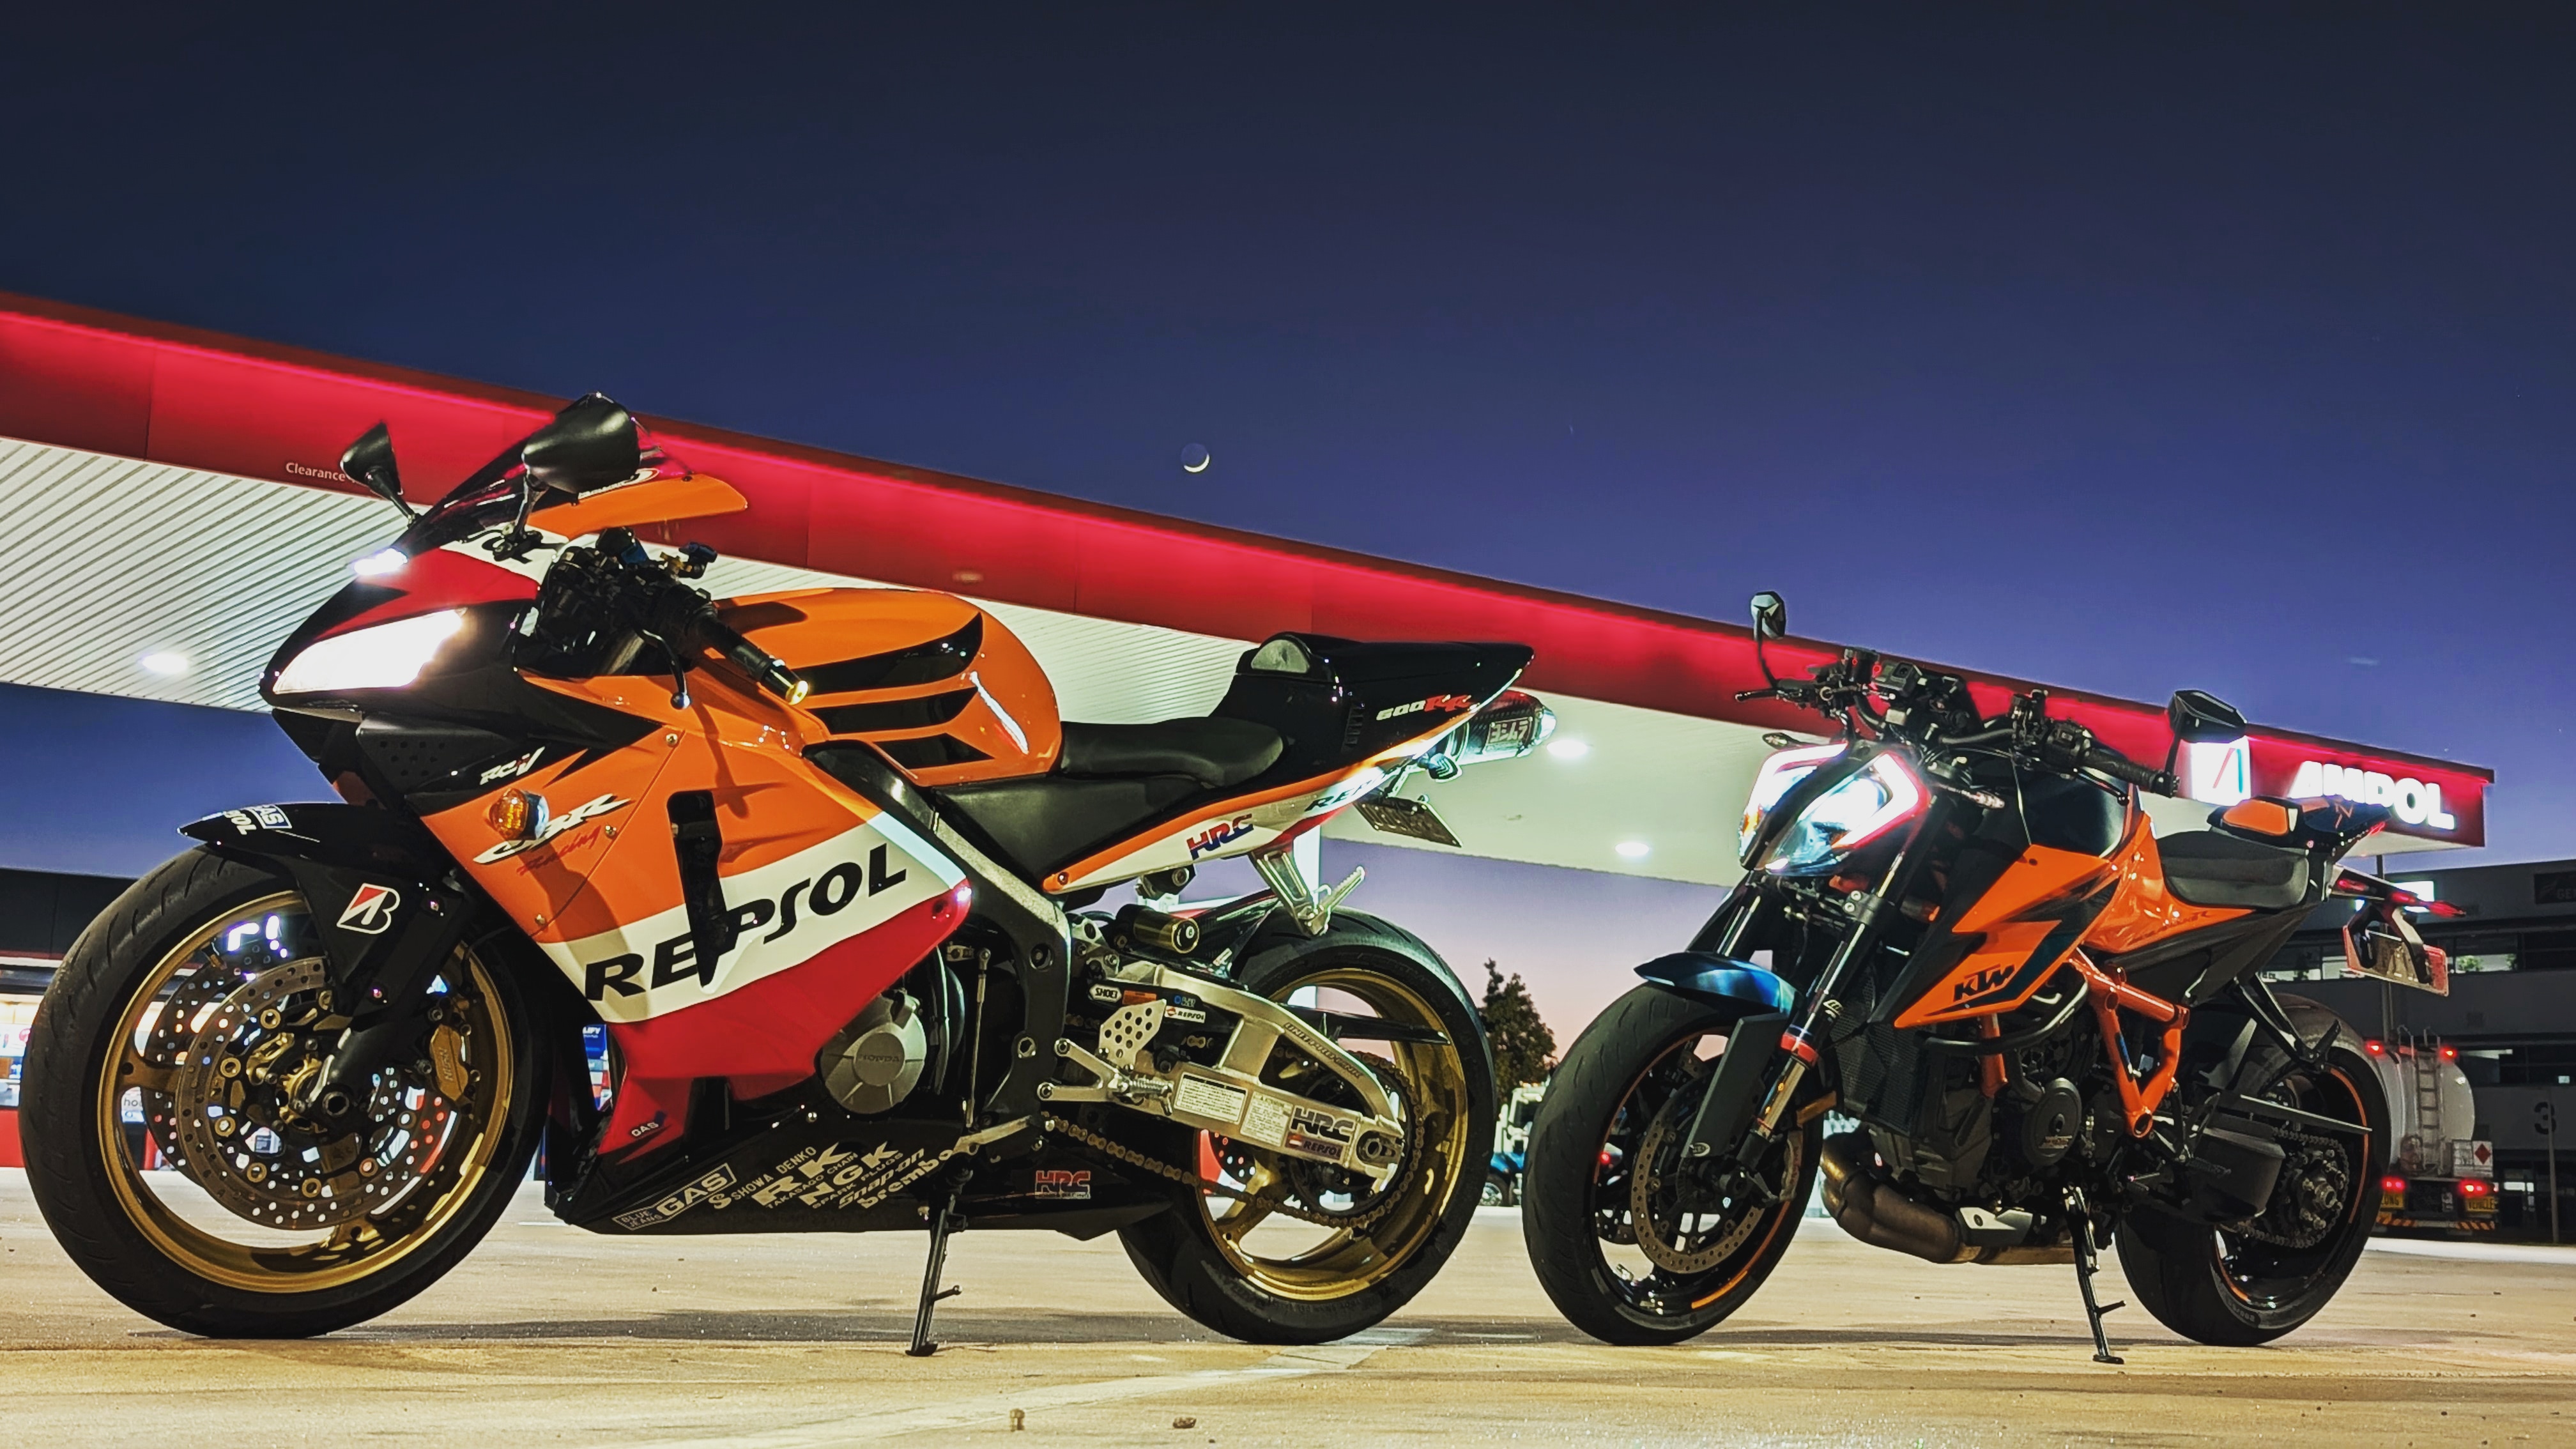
114,560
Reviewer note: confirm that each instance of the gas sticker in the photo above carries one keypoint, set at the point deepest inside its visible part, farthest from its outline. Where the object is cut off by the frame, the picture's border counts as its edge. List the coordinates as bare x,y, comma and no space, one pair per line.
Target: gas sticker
706,1189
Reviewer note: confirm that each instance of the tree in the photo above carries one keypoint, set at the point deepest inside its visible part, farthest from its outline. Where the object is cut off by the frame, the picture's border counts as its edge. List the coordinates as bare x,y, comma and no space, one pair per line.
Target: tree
1524,1049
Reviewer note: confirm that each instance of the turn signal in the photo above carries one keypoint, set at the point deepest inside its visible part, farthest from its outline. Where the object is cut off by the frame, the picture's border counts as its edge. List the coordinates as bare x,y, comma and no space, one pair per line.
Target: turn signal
518,814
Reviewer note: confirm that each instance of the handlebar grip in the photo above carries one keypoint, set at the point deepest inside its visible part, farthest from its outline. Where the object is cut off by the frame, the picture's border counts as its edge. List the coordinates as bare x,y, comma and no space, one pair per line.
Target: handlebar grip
2118,767
765,669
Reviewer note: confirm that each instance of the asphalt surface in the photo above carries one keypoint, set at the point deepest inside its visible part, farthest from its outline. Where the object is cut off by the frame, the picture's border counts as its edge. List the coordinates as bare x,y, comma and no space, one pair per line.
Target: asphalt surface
550,1335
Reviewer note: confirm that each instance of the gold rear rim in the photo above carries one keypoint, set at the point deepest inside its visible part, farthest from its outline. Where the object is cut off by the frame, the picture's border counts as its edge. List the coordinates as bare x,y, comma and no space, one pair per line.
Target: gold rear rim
1315,1263
201,1075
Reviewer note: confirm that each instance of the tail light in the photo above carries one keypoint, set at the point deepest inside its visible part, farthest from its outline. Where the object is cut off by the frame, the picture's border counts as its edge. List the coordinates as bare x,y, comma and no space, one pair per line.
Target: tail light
2375,1048
2450,1054
2393,1185
2472,1187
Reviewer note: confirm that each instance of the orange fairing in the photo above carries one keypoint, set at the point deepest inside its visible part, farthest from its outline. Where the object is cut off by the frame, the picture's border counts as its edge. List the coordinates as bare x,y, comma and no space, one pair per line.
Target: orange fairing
2144,911
943,688
832,899
2261,817
654,497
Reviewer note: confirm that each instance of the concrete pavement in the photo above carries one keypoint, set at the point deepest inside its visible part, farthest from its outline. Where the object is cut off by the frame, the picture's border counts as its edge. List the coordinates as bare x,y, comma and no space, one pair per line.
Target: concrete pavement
549,1335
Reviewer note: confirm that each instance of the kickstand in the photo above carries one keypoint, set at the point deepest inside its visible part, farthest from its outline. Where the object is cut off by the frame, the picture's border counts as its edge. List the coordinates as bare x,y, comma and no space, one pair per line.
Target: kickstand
2086,1266
942,1223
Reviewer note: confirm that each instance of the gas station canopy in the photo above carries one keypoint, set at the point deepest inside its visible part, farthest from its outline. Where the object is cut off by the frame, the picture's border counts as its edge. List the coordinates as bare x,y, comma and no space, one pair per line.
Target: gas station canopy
174,507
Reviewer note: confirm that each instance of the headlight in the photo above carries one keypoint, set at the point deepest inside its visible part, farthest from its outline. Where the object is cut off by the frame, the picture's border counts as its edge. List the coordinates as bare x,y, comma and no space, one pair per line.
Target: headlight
1778,773
381,656
1873,801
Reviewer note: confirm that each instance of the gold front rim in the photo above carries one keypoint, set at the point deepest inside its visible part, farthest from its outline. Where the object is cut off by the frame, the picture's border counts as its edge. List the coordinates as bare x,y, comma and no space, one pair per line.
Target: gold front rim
1315,1263
213,1046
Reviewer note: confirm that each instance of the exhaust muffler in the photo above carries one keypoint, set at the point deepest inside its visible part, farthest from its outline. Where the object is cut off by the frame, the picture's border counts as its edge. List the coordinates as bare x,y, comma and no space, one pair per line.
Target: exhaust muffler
1880,1214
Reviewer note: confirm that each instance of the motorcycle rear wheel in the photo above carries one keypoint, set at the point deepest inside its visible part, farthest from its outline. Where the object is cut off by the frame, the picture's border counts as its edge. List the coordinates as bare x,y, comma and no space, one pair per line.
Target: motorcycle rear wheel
1267,1279
2215,1286
1606,1117
161,1142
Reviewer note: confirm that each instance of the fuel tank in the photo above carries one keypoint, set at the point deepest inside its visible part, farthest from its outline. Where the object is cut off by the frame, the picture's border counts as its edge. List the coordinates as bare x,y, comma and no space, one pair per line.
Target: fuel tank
943,688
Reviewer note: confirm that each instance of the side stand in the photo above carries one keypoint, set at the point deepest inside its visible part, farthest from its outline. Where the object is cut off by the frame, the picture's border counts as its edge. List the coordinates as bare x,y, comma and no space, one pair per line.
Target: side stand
942,1223
2086,1265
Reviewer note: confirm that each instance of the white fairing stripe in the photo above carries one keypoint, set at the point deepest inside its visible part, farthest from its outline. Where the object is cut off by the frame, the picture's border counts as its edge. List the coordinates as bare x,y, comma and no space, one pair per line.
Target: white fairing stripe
788,912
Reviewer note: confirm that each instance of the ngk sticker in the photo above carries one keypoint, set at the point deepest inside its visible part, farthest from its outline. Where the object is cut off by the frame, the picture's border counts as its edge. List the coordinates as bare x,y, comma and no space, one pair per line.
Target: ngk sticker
784,914
371,910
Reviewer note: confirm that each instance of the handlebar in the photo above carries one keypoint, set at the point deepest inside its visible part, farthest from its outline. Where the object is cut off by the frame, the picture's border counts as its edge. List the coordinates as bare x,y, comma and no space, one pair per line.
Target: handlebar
765,669
2120,767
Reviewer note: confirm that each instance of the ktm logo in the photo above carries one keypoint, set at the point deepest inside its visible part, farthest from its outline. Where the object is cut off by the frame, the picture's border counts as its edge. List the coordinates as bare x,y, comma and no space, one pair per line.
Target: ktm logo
676,960
1220,835
371,910
1980,983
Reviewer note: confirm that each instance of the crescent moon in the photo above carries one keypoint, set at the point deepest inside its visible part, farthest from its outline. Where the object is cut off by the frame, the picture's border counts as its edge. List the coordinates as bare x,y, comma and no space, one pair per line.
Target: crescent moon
1202,465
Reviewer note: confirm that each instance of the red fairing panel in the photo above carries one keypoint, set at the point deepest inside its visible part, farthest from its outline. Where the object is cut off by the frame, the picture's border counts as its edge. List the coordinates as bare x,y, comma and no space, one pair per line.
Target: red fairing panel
765,1035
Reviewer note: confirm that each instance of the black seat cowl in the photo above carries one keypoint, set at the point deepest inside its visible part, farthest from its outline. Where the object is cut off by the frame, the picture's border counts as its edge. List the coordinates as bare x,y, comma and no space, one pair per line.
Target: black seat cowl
2215,868
1214,753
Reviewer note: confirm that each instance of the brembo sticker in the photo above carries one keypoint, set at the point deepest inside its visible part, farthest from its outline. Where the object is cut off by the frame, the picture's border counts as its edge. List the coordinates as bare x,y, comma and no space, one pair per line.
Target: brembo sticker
785,913
591,810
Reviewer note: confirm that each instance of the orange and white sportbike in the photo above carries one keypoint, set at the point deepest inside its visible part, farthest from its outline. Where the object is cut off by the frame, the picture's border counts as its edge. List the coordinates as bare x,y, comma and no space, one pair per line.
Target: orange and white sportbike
763,915
2048,1025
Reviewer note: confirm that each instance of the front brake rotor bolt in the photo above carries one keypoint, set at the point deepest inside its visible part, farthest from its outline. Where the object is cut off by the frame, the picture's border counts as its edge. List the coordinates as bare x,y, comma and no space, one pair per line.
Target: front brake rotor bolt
366,1167
225,1126
271,1019
311,1187
257,1172
228,1068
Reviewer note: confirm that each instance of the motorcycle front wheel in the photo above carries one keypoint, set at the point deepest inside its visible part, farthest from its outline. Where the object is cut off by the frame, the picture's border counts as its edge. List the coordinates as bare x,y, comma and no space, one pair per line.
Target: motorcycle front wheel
1254,1272
172,1144
1628,1243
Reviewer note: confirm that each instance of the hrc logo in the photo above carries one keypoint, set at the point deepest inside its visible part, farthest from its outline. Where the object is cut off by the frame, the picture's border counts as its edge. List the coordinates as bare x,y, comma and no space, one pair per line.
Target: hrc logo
1220,835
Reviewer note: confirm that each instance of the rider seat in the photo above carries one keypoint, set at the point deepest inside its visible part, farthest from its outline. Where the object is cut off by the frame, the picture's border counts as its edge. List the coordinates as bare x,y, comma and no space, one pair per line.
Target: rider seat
1214,752
1110,779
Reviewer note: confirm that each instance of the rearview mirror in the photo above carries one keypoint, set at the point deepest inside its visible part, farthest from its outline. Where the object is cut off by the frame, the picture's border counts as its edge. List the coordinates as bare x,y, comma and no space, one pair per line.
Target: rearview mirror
590,444
1770,616
369,462
2203,719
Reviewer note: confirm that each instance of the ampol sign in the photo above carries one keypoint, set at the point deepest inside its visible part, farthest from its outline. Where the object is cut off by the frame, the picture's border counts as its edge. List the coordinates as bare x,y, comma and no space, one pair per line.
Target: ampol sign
2425,800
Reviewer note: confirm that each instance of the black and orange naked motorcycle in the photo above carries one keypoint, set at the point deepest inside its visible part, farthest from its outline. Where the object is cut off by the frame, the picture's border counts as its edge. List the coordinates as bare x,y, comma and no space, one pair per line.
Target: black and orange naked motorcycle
2048,1024
815,864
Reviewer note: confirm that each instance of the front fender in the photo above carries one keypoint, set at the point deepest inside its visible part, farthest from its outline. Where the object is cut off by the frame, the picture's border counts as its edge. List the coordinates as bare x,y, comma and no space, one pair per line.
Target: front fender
1721,980
377,884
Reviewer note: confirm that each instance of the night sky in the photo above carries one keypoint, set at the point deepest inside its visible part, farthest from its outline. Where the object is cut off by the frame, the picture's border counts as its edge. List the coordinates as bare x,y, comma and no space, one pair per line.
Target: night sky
2125,347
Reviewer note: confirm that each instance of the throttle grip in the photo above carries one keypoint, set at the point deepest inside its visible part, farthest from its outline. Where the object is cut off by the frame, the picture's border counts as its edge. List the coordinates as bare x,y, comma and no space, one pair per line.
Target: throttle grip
765,669
2119,767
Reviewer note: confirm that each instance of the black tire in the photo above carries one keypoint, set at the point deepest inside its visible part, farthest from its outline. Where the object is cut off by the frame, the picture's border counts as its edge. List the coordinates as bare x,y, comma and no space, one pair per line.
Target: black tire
1180,1252
2224,1288
1597,1100
89,1198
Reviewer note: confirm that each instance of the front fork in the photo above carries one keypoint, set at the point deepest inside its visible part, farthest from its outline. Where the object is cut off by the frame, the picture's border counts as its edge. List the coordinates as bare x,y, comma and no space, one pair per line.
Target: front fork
1718,1129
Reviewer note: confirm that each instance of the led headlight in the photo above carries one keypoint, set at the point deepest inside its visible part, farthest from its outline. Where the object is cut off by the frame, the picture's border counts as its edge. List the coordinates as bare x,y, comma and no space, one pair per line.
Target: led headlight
381,656
1776,777
1877,798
